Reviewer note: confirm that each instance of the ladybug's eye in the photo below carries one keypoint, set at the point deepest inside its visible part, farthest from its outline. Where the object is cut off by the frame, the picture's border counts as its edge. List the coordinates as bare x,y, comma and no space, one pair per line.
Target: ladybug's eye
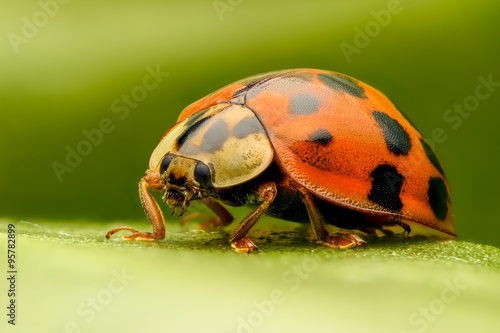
165,163
202,175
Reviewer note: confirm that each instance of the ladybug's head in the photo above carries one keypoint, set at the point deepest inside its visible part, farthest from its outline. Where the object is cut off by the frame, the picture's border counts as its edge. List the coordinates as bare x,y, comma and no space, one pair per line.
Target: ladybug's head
185,179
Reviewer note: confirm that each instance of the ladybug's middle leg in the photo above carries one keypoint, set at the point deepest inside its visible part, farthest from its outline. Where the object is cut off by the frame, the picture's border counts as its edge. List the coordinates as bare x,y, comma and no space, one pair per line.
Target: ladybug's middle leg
318,225
266,192
224,217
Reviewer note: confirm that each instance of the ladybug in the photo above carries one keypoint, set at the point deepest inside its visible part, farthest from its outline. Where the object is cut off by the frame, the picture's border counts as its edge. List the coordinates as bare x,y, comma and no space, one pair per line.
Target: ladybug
302,145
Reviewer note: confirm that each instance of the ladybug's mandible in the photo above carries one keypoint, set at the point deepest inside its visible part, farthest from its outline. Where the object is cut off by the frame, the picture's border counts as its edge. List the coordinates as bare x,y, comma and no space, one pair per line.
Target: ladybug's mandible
302,145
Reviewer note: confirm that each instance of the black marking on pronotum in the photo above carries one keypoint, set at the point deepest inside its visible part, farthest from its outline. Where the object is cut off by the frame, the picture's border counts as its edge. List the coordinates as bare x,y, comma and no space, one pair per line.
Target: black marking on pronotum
247,126
438,197
396,138
190,130
386,187
321,136
303,104
343,83
215,137
431,156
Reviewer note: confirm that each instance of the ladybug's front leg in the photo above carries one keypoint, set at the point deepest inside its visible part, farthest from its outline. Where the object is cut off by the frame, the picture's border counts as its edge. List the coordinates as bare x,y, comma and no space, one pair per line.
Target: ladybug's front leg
266,192
346,241
152,211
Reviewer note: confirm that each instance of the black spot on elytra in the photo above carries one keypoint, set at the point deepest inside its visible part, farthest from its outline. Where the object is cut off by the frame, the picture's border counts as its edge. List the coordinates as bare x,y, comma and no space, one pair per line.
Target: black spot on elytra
438,197
431,156
321,136
215,137
189,131
386,187
396,138
303,104
247,126
342,83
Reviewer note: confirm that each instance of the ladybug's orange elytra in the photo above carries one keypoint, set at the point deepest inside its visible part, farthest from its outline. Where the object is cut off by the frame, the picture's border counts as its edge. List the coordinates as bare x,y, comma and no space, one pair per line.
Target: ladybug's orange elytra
300,145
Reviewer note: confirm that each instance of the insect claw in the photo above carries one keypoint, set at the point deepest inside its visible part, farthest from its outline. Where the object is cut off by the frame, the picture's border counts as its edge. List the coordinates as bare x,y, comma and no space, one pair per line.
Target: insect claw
184,207
173,211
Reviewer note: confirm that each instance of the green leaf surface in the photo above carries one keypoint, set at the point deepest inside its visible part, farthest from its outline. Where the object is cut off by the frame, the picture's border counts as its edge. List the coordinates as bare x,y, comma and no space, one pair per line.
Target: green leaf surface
71,279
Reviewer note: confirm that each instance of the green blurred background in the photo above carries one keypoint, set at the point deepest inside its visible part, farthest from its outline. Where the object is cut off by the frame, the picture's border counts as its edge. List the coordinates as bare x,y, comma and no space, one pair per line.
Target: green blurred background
63,78
70,75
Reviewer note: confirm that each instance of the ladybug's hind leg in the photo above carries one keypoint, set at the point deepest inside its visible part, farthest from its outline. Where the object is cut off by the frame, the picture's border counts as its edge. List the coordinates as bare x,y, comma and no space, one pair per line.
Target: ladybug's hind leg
266,192
343,241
